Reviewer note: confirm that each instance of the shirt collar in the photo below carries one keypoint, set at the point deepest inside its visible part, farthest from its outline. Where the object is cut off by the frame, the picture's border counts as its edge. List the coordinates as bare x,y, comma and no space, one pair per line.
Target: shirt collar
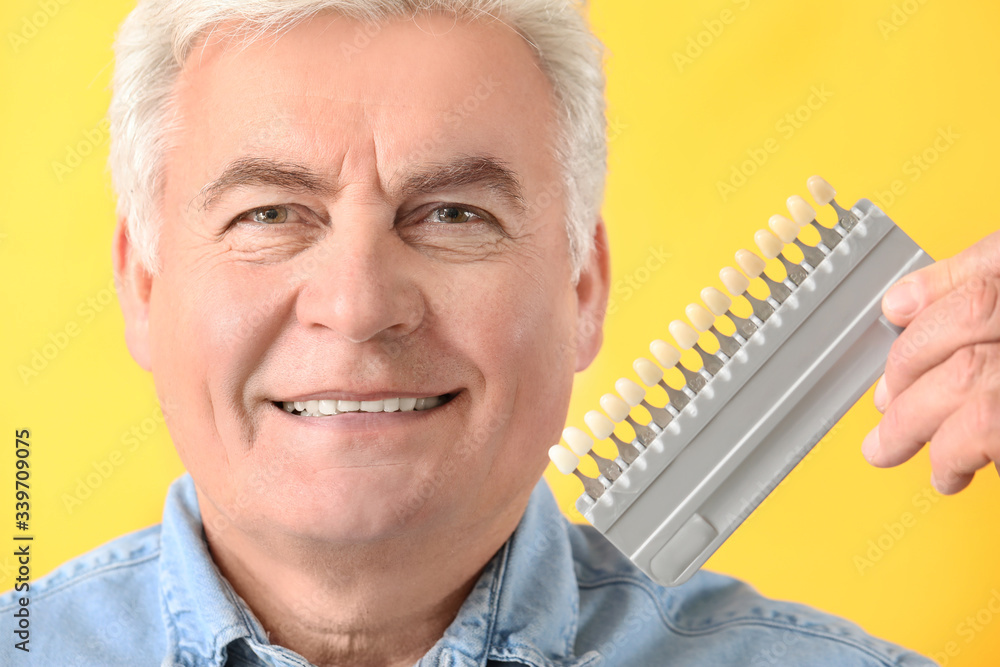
525,606
523,609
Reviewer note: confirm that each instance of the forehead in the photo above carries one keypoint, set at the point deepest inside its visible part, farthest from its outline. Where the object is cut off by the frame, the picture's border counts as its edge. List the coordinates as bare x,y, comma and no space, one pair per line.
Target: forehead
406,90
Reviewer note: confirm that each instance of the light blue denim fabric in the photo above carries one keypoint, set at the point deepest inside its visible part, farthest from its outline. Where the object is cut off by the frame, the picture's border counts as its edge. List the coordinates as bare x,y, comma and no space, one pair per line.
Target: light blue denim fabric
555,595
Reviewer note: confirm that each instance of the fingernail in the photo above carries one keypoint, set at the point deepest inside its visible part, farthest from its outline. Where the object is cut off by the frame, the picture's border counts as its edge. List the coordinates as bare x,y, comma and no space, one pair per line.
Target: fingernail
869,447
902,299
935,483
880,395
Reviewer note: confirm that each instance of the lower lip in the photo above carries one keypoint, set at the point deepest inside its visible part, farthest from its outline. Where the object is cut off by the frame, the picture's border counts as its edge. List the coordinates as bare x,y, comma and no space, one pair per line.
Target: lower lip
369,421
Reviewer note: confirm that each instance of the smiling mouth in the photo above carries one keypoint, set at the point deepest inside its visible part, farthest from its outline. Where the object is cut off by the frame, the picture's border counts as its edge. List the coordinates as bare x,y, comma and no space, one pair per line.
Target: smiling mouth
329,408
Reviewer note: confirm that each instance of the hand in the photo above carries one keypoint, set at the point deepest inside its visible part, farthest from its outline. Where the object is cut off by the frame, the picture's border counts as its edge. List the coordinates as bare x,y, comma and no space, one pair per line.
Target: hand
942,377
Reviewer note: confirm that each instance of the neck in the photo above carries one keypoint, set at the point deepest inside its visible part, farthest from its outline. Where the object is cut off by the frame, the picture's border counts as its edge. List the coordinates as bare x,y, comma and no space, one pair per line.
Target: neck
370,605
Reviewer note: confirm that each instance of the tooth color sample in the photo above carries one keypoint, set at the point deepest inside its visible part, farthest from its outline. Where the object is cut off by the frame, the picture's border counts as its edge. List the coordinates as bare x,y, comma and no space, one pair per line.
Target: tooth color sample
821,191
564,460
647,371
751,264
599,425
802,212
716,301
630,392
786,230
735,282
769,244
578,441
699,316
684,334
616,408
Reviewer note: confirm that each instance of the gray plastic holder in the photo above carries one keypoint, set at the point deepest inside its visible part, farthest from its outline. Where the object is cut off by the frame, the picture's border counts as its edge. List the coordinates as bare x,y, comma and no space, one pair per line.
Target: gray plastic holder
761,414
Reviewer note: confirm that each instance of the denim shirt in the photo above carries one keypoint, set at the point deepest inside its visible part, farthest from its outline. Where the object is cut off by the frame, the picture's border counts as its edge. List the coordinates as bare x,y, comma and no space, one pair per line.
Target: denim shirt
555,594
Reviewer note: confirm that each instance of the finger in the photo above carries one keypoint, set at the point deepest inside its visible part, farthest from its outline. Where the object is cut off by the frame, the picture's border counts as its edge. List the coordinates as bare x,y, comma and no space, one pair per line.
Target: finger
881,396
916,291
966,317
967,441
914,416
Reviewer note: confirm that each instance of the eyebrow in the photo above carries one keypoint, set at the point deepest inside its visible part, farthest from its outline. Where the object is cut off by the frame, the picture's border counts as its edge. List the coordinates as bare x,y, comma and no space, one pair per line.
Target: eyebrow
483,170
250,172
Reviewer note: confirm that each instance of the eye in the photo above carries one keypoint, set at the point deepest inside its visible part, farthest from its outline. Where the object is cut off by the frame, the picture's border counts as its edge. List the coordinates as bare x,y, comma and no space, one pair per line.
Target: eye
452,214
267,215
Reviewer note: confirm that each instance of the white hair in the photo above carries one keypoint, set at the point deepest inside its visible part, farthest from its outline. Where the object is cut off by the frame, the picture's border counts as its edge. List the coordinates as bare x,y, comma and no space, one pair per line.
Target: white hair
155,39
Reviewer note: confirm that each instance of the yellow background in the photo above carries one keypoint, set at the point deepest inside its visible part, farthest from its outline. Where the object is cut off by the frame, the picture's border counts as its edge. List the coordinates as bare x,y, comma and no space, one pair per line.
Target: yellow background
896,74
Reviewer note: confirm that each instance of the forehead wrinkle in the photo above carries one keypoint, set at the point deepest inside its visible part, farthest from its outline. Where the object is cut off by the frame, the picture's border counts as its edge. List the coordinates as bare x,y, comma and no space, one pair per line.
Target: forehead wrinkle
253,171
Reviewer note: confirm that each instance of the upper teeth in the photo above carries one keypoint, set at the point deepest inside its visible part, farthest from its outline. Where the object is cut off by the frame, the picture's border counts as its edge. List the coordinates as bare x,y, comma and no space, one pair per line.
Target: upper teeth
330,407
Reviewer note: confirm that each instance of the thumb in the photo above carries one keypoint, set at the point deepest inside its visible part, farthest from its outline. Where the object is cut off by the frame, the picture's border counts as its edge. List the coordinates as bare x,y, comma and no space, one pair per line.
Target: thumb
915,291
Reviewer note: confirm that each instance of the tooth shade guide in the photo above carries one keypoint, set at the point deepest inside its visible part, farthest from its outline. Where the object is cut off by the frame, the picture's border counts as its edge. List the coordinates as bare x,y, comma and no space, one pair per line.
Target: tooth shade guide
624,431
751,264
708,342
809,235
631,391
792,253
648,372
822,192
645,431
700,317
592,486
768,245
564,460
763,286
716,301
758,289
614,407
703,469
588,467
673,378
800,211
775,268
604,457
605,449
725,326
653,374
741,308
684,335
774,290
665,354
785,229
578,441
735,282
776,254
600,426
691,370
803,214
728,345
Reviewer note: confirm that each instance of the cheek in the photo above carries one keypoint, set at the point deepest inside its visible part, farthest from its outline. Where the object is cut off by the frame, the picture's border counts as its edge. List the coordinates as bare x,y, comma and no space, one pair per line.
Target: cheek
521,335
207,332
220,320
515,326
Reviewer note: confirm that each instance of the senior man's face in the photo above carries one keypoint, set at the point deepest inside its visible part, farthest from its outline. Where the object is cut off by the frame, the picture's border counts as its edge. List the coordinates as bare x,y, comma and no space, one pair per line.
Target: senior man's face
370,216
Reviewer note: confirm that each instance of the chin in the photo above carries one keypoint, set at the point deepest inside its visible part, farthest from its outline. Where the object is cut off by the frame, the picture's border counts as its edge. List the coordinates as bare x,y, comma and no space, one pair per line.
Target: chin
352,505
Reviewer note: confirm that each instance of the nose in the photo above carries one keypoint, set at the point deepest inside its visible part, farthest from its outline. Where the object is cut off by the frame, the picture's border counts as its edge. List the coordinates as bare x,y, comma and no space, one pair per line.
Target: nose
362,285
